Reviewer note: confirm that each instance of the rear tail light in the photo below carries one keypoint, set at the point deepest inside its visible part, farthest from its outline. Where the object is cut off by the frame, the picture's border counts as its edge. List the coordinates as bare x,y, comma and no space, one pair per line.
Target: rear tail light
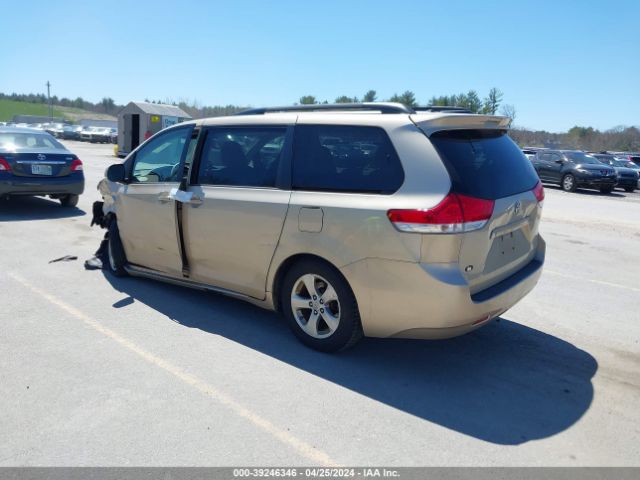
76,165
4,165
455,214
538,191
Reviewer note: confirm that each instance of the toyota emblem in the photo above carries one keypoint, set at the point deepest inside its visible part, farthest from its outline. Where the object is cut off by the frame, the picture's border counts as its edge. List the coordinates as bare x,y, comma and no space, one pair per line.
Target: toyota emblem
517,207
42,156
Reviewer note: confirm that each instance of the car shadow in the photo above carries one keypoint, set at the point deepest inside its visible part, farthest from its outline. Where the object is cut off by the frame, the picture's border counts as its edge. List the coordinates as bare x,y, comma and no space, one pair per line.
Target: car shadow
587,192
17,209
505,383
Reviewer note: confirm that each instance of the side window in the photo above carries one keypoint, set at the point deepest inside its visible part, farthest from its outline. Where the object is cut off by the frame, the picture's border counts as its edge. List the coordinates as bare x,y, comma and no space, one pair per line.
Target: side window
241,156
345,159
159,160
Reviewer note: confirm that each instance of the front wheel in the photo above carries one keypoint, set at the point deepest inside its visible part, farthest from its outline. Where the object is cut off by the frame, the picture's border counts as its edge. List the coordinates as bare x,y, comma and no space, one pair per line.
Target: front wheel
115,251
569,183
629,189
69,200
320,307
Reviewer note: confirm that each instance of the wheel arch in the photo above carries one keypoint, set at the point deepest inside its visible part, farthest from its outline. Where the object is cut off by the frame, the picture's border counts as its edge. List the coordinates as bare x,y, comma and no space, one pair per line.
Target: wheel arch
285,266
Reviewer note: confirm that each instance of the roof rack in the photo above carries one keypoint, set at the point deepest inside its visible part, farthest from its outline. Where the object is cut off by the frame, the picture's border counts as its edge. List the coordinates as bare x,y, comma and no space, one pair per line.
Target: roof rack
442,108
381,107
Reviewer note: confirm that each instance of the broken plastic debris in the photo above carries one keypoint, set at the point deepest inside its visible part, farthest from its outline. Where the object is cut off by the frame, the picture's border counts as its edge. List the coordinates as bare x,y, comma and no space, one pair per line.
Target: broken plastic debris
66,258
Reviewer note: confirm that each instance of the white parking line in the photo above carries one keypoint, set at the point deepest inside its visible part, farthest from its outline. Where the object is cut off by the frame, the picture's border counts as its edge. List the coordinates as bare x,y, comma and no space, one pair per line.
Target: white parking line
599,282
311,453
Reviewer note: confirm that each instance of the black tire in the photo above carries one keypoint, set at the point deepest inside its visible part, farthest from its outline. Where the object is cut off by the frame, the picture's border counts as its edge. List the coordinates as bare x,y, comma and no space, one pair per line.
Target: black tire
349,329
116,259
629,189
69,200
606,189
569,183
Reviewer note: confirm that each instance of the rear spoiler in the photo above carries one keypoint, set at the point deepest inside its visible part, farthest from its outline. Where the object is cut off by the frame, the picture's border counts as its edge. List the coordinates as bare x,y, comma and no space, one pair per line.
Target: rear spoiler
458,121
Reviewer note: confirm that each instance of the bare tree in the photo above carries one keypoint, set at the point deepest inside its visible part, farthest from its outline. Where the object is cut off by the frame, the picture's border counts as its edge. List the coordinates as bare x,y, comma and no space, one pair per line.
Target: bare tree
509,110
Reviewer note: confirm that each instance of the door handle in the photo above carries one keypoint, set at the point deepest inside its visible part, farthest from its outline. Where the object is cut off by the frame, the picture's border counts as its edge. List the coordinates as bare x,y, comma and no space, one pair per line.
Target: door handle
164,197
196,201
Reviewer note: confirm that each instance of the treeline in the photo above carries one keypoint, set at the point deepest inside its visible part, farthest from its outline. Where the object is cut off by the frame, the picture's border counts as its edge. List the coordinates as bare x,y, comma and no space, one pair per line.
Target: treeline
196,110
583,138
471,100
625,139
106,105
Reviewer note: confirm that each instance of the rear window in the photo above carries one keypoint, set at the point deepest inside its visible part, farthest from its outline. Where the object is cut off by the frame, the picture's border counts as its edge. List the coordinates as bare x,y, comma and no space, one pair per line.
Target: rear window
24,140
484,163
345,159
581,157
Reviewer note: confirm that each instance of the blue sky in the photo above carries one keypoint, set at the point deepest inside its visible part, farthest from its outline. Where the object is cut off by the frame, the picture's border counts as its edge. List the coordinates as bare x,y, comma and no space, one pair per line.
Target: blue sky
560,63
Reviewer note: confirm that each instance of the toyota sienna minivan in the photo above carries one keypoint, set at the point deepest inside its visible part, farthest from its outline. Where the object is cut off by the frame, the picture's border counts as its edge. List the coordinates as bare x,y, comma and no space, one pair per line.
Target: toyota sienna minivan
358,219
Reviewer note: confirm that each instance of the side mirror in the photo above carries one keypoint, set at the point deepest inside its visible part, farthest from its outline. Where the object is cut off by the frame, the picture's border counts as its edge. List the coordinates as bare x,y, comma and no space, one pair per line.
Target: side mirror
116,173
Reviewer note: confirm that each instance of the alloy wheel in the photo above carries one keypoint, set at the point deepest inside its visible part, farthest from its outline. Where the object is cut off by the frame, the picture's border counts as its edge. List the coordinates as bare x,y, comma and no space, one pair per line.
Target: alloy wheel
315,305
567,182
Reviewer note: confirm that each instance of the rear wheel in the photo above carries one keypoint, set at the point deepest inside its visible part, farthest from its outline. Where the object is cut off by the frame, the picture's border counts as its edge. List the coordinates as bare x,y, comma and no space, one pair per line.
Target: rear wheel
69,200
569,183
320,307
115,251
606,189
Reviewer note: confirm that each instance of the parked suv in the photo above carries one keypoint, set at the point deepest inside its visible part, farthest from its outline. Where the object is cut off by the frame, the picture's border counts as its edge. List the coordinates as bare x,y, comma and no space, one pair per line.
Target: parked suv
627,176
573,169
358,219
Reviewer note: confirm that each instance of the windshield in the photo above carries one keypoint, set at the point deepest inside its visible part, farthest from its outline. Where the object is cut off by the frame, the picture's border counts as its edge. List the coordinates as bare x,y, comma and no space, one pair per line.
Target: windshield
24,140
617,163
628,164
581,157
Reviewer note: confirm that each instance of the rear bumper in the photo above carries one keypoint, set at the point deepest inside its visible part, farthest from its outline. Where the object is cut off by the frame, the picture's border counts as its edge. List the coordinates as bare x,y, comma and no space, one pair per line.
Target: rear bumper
413,300
13,185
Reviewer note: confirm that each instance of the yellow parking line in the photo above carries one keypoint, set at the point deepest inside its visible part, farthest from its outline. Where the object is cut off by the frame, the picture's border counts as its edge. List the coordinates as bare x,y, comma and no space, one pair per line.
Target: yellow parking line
600,282
309,452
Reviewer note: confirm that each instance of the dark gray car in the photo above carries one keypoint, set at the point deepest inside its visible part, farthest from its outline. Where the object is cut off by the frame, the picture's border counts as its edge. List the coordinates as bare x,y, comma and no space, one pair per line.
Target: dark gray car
32,162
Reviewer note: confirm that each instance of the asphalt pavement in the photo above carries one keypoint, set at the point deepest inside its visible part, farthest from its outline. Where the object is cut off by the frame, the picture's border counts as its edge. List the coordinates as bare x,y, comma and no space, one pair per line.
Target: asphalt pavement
104,371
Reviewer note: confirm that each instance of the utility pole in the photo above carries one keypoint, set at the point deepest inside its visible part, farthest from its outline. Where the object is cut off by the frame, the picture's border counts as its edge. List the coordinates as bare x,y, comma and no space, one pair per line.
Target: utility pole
49,100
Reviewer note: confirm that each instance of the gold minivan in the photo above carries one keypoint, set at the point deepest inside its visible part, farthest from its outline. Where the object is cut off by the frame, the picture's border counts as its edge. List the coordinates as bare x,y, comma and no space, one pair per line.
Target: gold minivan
359,219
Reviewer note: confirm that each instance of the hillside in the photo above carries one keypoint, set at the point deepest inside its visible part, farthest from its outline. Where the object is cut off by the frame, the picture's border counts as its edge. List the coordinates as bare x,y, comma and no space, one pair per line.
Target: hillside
9,108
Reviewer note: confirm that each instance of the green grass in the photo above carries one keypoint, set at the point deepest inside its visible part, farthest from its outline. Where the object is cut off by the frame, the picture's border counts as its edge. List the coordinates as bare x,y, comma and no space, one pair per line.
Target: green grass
9,108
